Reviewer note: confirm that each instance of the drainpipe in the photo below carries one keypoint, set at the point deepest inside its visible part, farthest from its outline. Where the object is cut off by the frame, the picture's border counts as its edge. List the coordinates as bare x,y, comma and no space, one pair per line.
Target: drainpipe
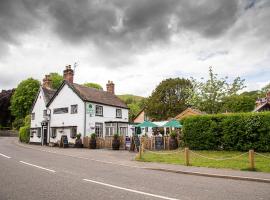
49,125
84,119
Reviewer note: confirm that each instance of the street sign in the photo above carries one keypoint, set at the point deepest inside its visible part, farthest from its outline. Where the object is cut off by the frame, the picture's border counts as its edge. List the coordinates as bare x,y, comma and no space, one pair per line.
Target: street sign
89,108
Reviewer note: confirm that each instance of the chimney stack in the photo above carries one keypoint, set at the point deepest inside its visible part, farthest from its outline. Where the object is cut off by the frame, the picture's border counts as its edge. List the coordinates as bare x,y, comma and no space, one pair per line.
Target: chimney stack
110,87
68,74
47,82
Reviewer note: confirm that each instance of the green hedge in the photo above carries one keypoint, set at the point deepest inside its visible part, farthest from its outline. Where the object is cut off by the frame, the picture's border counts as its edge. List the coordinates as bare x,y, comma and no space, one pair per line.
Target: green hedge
24,134
240,132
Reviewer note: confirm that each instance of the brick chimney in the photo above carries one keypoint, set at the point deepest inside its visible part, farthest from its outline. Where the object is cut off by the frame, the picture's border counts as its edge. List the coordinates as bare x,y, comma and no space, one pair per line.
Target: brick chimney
47,82
110,87
68,74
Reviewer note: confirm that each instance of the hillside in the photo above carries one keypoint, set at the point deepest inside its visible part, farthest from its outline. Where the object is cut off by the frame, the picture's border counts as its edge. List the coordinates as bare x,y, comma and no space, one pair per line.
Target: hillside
135,104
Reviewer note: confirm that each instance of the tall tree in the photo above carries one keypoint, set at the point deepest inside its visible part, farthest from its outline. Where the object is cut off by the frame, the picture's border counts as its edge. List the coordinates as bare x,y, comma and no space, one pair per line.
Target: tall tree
23,97
56,80
5,116
208,96
93,85
168,99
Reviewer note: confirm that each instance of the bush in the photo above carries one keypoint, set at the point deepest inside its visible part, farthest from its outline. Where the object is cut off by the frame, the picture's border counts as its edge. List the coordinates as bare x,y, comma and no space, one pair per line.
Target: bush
18,123
93,136
239,132
24,134
173,134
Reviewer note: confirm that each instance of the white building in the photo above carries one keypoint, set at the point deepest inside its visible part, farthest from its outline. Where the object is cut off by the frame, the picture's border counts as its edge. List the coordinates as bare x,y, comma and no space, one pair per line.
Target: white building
77,109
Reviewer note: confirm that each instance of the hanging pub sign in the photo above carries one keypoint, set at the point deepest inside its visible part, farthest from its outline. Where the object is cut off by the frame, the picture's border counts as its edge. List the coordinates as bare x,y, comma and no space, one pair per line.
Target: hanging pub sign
159,143
89,109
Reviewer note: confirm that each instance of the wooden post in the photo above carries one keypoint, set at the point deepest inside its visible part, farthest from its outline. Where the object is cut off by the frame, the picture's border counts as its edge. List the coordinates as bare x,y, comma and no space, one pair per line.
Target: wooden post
251,159
187,156
164,142
140,151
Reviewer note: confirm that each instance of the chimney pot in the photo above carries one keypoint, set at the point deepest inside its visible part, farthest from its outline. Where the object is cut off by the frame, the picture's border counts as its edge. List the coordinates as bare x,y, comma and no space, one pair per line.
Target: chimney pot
47,82
68,74
110,87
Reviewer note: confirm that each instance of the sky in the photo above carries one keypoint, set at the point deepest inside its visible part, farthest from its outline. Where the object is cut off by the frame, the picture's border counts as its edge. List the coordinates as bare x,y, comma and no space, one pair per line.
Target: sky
136,44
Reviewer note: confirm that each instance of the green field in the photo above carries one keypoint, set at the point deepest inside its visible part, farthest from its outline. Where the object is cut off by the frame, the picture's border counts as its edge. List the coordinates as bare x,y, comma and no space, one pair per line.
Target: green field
239,163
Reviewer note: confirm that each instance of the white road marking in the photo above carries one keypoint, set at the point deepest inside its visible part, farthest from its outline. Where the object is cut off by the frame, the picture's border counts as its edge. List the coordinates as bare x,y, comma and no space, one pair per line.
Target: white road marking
50,170
4,155
130,190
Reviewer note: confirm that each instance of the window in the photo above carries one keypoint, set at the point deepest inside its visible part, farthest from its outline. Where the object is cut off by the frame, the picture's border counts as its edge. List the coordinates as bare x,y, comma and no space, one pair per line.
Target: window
44,113
33,116
60,110
99,110
54,133
73,132
110,129
74,109
39,132
32,133
118,113
99,129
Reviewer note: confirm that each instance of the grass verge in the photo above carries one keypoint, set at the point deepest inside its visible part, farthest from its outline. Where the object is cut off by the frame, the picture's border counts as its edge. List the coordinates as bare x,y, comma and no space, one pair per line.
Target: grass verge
239,163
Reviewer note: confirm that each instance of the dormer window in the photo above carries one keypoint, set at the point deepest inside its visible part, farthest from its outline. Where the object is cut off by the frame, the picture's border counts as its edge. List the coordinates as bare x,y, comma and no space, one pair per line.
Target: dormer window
118,113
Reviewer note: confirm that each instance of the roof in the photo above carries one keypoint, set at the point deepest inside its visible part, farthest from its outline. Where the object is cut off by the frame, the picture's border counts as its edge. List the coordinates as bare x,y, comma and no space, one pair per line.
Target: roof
93,95
48,94
260,107
189,110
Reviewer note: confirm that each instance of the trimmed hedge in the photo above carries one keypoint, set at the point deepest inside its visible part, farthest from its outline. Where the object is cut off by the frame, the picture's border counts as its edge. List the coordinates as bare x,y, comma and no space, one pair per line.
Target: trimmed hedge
239,132
24,134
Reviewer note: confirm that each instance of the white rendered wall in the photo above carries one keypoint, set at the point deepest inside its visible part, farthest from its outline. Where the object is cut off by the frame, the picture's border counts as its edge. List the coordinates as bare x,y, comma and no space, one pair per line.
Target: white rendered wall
38,110
65,98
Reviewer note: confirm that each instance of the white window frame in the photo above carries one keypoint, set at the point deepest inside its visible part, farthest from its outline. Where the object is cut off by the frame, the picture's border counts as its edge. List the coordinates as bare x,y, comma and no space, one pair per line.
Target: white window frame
73,132
54,132
99,110
110,129
99,129
74,109
118,113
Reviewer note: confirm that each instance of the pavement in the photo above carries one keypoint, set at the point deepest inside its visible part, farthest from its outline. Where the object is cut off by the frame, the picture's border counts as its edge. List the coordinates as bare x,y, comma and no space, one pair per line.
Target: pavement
36,172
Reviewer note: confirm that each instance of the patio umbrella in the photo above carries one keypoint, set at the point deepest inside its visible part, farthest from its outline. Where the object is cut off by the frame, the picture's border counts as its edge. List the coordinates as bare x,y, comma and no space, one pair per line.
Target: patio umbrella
173,123
147,124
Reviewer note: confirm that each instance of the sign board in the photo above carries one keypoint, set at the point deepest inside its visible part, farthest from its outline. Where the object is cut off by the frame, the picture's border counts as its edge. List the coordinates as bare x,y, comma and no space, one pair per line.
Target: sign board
89,108
136,141
159,143
128,142
64,141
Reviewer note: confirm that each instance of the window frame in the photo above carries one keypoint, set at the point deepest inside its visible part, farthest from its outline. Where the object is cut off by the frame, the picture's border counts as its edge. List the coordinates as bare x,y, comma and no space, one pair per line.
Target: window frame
57,111
100,126
98,114
39,132
118,109
33,116
72,109
72,132
54,133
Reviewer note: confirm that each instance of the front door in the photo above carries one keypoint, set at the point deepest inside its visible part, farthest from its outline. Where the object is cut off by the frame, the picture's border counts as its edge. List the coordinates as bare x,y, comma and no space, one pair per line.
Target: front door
45,135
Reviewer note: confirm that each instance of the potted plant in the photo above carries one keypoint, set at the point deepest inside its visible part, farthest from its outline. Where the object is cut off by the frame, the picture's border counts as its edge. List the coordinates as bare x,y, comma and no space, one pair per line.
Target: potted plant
78,141
173,144
93,141
116,142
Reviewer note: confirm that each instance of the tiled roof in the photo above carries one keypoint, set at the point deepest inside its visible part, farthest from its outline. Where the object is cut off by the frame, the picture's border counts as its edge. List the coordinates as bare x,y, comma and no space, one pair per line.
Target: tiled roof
97,96
48,94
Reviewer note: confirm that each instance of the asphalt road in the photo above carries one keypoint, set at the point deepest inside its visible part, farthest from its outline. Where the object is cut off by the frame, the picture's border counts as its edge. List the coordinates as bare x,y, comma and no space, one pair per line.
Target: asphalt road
32,174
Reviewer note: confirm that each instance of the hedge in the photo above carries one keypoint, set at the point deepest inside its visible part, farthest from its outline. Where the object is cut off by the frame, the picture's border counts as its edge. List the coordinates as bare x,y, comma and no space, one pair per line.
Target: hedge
239,132
24,134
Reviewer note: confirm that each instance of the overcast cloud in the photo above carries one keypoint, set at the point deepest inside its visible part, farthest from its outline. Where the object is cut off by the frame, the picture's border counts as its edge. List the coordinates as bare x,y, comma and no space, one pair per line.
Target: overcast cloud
135,43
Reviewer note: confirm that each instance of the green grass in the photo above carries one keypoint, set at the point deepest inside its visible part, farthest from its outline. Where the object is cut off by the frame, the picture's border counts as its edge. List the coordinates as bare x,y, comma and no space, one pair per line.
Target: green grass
241,163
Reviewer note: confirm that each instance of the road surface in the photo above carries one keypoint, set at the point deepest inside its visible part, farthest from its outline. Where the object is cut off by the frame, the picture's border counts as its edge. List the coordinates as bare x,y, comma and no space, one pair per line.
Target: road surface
31,174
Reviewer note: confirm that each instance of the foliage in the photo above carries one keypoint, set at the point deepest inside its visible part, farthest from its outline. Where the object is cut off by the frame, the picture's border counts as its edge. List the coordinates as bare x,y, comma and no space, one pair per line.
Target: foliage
56,80
241,132
239,163
238,103
255,94
116,136
93,136
168,99
266,88
78,136
135,104
23,97
207,96
24,132
173,134
5,116
93,85
17,123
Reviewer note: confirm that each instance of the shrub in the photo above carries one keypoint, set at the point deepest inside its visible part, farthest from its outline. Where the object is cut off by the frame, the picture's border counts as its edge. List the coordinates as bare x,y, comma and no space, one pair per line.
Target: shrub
24,134
78,136
173,134
93,136
240,132
116,136
18,122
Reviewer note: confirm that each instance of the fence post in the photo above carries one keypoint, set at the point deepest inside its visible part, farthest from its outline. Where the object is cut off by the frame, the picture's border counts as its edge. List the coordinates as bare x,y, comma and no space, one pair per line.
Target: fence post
251,159
187,156
140,151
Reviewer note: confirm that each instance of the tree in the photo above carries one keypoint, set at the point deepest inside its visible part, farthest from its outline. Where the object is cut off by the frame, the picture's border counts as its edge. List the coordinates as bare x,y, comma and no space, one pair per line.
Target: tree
168,99
56,80
5,116
93,85
23,98
238,103
208,96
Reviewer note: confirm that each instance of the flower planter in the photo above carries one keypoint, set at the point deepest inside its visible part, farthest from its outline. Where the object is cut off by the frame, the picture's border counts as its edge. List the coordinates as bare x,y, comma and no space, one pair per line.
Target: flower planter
115,144
93,144
173,143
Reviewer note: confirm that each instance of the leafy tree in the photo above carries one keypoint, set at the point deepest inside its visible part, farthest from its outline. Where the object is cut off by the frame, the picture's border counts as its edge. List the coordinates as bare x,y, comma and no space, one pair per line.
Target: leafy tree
23,97
168,99
56,80
5,116
255,94
207,96
93,85
238,103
